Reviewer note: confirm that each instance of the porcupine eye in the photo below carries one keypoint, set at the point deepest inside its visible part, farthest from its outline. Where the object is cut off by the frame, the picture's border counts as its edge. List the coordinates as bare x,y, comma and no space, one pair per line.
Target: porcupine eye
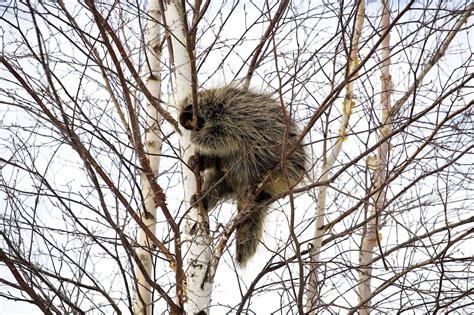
200,123
218,109
213,110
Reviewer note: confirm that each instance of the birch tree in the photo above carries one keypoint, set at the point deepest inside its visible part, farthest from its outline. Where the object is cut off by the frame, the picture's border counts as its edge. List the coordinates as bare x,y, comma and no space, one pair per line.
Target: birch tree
370,237
196,226
144,293
330,158
94,177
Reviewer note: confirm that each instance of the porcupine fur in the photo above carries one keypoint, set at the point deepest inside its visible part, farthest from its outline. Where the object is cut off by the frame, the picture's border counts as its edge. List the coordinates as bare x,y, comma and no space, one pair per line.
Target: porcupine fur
238,138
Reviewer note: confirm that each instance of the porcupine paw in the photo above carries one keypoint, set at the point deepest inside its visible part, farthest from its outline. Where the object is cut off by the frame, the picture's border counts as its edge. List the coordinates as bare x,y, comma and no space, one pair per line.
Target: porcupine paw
194,200
192,162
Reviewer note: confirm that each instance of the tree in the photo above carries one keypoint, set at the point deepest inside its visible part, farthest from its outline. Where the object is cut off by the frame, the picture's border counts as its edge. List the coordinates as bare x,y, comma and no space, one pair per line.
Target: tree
95,186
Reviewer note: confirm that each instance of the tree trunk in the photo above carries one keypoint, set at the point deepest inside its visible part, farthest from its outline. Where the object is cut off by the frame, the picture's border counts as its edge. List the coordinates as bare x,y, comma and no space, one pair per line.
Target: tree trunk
196,229
144,294
328,162
370,236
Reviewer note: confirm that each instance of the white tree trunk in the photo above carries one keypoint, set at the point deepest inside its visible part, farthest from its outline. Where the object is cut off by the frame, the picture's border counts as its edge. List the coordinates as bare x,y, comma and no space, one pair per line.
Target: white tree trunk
144,294
196,235
328,162
370,235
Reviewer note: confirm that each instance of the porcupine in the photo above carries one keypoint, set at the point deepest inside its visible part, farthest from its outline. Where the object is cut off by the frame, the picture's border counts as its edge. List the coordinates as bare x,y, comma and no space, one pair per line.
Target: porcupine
238,138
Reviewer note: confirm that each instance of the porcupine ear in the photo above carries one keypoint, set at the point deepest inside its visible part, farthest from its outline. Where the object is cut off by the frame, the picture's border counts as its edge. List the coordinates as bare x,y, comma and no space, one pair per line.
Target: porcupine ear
186,119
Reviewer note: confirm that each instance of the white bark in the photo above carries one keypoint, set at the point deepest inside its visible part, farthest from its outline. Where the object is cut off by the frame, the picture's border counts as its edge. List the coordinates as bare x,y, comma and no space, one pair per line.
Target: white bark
329,160
196,236
144,294
369,237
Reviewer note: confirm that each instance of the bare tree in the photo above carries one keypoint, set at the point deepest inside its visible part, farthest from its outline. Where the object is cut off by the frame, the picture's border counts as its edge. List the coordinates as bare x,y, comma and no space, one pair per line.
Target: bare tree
95,182
330,158
153,143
